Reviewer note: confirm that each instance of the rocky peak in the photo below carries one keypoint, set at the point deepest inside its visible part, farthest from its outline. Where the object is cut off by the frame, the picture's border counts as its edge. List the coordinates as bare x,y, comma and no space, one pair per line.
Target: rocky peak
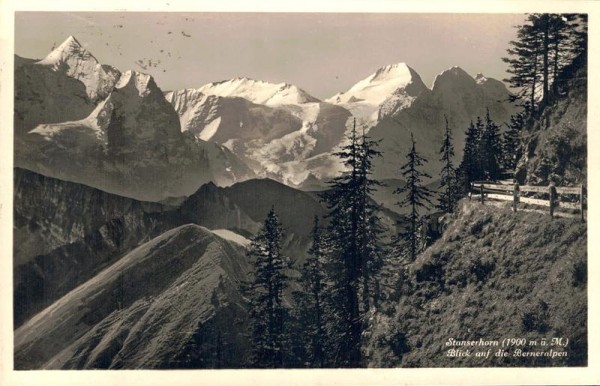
75,61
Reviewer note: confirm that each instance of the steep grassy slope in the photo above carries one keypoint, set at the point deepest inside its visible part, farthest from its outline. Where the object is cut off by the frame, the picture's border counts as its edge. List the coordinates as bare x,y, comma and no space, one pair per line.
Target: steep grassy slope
556,144
142,310
493,275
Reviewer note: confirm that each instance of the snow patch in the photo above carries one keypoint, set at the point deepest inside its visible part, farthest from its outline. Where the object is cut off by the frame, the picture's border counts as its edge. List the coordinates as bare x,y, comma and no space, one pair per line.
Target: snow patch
210,130
258,92
232,236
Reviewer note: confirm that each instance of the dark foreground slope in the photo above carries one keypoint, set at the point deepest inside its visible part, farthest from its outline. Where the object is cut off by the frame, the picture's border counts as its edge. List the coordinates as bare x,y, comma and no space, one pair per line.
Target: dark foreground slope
144,309
493,275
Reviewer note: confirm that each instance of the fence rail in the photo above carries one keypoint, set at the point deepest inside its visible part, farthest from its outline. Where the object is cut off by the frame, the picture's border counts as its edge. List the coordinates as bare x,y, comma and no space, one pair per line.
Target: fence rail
504,191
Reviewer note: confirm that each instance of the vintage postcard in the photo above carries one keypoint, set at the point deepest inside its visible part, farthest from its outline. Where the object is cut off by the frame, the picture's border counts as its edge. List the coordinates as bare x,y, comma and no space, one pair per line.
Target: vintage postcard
372,194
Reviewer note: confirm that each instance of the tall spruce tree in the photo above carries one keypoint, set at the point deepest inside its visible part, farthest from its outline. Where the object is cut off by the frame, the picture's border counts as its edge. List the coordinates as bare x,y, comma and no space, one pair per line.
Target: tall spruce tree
371,247
511,140
448,181
351,259
469,169
267,312
310,303
416,197
491,149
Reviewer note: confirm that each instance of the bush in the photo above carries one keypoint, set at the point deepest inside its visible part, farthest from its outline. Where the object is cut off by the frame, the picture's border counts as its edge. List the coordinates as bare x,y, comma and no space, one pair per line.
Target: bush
579,273
536,319
482,268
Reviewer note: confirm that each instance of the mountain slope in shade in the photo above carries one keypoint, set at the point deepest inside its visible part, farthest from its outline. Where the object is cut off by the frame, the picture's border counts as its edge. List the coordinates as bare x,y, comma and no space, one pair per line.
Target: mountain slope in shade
456,95
131,145
142,310
65,233
390,86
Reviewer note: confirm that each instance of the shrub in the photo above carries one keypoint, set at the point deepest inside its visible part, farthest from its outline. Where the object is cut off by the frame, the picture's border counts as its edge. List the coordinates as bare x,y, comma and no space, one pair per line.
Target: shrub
579,273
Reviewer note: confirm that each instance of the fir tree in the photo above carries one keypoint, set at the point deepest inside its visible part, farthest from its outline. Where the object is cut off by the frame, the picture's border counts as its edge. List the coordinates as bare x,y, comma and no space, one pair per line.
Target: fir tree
511,142
545,44
310,303
351,258
470,167
417,197
491,150
370,225
267,313
449,195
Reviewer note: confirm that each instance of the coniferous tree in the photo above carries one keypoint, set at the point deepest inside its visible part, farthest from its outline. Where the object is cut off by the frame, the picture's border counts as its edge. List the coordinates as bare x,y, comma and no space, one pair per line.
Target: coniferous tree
342,201
371,228
545,44
310,303
351,261
469,169
417,197
491,149
449,194
511,141
267,312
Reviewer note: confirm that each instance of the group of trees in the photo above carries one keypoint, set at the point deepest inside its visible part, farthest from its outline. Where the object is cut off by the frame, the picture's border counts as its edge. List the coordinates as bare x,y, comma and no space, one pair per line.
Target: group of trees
340,281
341,278
545,45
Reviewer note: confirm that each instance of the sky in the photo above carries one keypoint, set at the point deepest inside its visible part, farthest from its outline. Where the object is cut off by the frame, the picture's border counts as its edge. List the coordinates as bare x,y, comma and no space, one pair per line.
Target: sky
322,53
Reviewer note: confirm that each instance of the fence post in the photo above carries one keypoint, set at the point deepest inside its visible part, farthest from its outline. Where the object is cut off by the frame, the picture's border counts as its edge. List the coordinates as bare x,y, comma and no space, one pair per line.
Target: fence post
582,198
481,190
552,192
515,196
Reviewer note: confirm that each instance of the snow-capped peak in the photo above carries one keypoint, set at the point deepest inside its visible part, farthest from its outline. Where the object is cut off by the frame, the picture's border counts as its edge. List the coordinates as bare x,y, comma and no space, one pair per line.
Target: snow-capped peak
258,91
75,61
68,49
393,79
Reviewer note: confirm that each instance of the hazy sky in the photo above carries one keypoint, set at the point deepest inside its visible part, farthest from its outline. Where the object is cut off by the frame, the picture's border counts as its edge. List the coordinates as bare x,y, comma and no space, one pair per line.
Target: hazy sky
321,53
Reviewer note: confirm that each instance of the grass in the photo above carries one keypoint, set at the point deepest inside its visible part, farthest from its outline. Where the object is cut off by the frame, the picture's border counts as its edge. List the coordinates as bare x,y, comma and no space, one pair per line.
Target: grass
494,274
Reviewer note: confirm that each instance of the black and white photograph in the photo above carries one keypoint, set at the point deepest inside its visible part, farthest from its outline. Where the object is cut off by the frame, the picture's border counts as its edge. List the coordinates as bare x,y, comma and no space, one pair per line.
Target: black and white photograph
227,190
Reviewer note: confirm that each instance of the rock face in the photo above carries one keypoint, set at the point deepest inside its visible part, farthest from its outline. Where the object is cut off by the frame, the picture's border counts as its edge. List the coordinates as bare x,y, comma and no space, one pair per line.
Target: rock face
142,310
64,233
129,143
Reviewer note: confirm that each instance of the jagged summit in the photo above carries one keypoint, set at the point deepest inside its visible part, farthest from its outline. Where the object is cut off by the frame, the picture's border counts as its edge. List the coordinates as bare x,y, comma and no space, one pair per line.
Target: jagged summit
68,49
142,82
76,62
258,91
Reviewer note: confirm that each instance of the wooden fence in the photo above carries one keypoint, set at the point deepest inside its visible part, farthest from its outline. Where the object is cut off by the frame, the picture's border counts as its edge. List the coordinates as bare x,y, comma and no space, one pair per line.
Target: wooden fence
508,191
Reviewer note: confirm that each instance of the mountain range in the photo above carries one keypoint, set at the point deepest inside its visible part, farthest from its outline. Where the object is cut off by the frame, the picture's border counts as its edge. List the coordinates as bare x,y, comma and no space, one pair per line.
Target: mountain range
82,121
